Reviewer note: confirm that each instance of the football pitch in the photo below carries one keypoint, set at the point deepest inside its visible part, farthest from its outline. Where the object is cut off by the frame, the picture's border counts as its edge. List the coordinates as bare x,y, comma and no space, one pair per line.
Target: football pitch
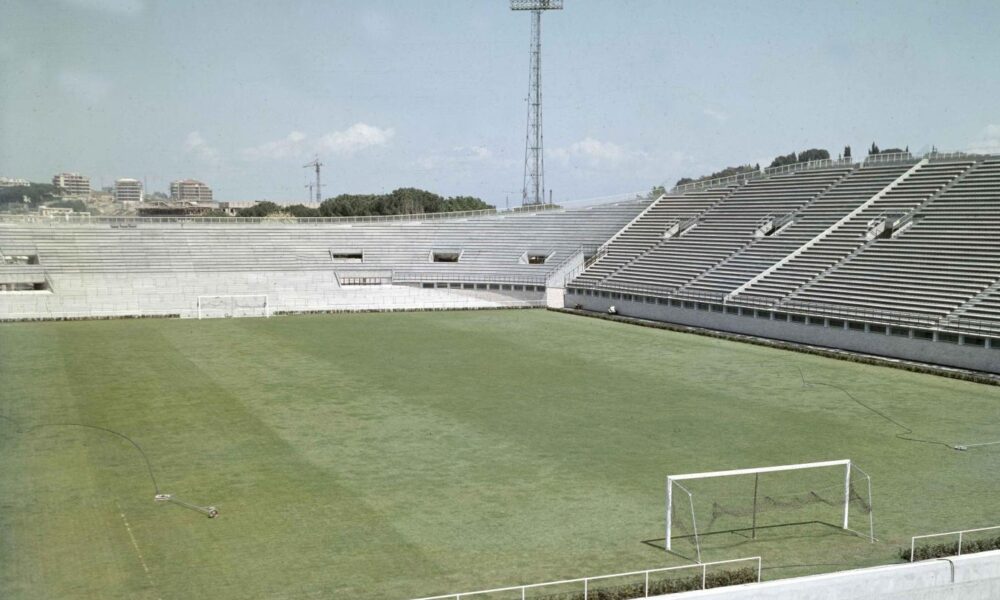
410,454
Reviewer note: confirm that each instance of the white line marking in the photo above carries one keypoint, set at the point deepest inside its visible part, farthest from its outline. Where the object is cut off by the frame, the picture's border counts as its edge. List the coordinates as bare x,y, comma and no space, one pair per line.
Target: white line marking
135,544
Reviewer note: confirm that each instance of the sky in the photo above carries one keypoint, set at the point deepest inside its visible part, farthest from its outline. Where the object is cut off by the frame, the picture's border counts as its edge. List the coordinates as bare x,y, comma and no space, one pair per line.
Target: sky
431,93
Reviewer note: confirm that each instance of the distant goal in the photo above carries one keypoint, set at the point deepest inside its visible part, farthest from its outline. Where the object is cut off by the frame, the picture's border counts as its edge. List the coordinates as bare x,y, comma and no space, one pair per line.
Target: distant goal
750,502
233,306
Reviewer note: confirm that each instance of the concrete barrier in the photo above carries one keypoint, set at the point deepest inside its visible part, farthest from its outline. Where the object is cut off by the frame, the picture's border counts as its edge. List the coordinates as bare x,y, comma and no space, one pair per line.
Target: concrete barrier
970,577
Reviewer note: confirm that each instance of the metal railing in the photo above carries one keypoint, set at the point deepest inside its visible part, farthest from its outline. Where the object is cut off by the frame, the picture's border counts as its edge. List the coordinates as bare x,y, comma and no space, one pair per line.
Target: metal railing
609,199
585,249
822,163
884,159
132,221
960,534
587,580
441,277
952,156
736,179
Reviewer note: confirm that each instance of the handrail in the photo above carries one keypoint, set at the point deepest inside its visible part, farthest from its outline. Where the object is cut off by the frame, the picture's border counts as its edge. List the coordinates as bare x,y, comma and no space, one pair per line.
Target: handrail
960,533
584,248
586,580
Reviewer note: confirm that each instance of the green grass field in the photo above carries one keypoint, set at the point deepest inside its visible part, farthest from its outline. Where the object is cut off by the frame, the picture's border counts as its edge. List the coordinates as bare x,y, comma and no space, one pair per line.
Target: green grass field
401,455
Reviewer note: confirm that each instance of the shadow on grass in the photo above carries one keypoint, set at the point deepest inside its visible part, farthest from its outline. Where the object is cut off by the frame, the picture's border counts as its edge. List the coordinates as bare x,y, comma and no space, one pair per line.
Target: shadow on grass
746,534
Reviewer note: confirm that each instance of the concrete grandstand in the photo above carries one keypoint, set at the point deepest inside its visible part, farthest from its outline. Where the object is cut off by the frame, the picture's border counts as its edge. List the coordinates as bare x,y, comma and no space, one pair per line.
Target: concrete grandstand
898,256
116,267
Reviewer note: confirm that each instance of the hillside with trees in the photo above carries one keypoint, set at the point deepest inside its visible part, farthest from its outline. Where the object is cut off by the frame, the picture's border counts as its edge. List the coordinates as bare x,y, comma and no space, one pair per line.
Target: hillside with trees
12,199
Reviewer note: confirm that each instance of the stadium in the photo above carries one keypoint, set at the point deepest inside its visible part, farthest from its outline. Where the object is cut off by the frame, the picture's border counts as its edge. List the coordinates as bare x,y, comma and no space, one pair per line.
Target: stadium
366,437
753,383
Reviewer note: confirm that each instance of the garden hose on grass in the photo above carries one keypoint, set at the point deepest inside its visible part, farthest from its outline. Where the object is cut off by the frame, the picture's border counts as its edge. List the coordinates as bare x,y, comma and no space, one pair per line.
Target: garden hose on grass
210,511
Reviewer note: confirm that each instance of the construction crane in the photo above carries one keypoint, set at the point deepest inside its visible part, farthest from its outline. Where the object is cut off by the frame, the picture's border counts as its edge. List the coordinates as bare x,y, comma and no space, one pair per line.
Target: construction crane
319,193
534,159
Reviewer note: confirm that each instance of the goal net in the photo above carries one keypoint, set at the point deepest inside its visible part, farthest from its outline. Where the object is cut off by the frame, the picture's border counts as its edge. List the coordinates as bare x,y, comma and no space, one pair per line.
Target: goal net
221,307
760,502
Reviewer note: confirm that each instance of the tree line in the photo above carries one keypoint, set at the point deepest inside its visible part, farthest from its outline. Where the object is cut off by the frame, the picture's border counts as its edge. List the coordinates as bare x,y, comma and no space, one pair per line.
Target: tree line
28,197
782,160
398,202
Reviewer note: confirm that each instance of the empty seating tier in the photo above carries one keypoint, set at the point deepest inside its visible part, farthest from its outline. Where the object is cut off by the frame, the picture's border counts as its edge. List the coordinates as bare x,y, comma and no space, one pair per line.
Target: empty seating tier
918,239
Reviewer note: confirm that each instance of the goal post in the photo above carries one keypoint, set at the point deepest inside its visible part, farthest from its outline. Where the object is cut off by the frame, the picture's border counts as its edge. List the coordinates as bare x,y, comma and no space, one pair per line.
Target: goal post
677,492
233,305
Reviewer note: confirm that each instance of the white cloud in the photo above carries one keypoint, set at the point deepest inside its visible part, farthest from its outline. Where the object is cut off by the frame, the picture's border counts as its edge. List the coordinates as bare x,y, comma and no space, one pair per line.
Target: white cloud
355,138
291,146
120,7
988,142
298,145
718,115
196,145
90,87
595,154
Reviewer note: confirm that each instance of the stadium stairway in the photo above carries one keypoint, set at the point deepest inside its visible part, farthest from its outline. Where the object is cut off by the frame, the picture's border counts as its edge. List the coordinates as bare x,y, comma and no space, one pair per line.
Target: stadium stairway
947,256
797,271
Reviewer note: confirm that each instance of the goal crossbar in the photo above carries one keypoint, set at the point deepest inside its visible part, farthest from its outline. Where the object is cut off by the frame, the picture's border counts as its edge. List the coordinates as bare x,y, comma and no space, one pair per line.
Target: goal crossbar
710,474
672,480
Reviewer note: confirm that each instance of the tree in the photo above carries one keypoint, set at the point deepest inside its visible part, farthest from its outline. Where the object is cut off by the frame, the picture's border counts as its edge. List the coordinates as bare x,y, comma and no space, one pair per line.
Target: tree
804,156
814,154
301,211
873,150
727,172
657,191
261,209
787,159
36,193
401,201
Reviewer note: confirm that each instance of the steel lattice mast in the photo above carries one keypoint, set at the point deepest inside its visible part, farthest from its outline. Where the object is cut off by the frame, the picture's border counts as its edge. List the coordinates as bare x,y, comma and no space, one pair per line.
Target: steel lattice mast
319,193
534,157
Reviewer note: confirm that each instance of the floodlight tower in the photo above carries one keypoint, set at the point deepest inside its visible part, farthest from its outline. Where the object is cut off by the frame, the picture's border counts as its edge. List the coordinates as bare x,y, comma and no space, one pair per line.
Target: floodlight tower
534,159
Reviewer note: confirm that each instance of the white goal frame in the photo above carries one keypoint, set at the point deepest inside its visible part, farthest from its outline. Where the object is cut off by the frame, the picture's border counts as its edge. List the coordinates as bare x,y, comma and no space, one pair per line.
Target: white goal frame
849,467
232,297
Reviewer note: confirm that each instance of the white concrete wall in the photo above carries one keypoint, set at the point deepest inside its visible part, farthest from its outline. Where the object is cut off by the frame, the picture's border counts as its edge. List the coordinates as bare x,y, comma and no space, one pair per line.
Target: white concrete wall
971,577
978,358
96,295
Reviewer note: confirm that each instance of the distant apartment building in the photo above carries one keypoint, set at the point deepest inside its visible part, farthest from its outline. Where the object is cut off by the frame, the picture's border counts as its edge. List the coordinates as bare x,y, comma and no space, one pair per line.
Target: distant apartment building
6,182
189,190
72,184
128,190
